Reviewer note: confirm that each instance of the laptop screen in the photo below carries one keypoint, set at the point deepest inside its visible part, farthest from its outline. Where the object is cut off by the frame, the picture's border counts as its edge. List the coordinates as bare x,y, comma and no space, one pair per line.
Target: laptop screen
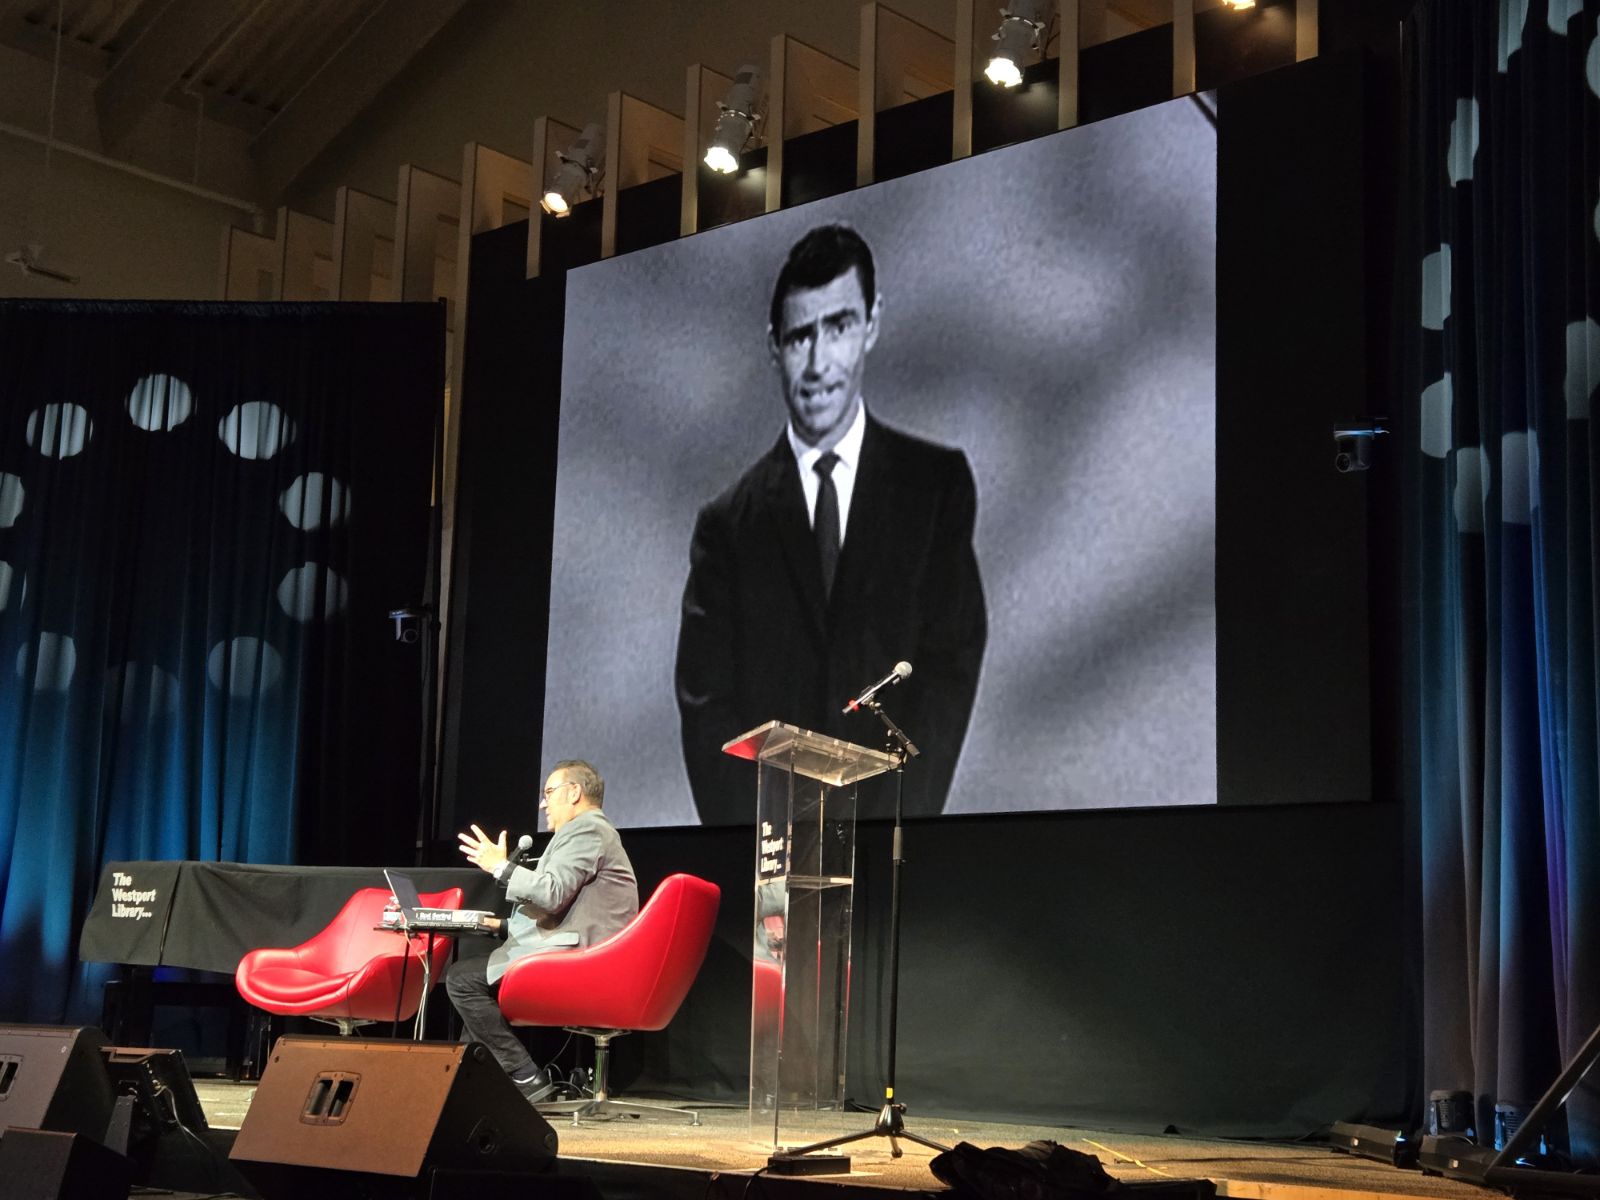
405,891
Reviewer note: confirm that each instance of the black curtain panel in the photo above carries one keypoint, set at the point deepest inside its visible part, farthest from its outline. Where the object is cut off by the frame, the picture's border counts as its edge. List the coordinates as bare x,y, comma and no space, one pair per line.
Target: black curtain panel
207,512
1502,360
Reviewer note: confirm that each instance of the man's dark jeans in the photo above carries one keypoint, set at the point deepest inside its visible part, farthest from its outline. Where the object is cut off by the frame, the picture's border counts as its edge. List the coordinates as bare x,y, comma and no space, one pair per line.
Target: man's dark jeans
477,1002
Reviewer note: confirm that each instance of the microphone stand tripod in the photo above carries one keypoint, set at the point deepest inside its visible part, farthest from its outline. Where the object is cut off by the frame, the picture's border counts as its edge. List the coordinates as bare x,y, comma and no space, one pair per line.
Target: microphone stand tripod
890,1122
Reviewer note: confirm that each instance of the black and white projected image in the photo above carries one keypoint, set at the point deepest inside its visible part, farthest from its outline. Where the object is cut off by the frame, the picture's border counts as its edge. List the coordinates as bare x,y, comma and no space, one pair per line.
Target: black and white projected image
1043,350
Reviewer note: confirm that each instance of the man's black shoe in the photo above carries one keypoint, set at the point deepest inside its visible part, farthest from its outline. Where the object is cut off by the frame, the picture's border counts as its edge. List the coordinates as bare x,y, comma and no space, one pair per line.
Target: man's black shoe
536,1089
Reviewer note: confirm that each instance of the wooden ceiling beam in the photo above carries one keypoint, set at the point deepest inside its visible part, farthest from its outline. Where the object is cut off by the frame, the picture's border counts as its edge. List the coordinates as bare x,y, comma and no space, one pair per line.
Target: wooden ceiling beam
40,41
146,70
290,42
220,106
287,75
344,86
14,12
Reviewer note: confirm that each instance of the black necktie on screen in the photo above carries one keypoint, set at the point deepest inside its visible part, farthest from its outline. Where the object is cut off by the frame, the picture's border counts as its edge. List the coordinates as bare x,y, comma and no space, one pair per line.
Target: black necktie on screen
827,522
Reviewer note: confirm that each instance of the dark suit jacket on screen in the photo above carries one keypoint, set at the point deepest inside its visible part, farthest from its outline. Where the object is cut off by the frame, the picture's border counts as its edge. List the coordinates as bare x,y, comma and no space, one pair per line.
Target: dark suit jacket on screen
758,642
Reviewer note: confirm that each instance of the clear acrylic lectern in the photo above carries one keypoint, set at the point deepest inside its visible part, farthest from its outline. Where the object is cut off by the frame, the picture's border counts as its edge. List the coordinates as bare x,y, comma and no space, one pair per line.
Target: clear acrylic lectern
805,875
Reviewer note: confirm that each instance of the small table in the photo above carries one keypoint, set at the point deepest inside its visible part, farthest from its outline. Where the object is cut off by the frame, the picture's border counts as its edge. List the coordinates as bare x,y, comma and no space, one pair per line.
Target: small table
455,931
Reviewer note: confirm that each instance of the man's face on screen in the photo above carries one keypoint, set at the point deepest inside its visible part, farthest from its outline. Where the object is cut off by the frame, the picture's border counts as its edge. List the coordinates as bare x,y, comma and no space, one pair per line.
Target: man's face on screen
821,353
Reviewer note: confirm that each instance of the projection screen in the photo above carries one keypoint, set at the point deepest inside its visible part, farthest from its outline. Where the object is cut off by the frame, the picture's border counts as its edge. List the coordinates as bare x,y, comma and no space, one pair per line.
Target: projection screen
1048,310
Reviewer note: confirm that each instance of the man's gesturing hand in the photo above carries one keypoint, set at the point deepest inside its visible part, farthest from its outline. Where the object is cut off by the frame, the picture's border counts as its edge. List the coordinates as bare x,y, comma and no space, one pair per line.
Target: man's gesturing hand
481,852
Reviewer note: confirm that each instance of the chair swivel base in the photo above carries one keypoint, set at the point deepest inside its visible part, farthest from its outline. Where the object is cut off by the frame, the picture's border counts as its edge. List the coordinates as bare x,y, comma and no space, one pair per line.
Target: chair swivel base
347,1026
602,1107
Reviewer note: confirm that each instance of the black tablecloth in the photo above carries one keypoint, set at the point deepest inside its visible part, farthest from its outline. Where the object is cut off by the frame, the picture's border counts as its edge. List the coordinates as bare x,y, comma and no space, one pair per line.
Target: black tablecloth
209,915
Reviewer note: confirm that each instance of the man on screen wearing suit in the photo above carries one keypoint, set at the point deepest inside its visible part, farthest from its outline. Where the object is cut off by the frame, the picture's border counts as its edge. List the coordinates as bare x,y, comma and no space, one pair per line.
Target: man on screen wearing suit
581,892
846,548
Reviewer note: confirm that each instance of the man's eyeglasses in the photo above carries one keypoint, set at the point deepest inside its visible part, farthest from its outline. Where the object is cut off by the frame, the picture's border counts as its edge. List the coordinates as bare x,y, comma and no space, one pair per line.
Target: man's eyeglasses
557,787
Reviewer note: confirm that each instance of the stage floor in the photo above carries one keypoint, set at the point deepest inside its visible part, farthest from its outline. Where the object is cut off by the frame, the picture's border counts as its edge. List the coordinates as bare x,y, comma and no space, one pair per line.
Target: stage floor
722,1143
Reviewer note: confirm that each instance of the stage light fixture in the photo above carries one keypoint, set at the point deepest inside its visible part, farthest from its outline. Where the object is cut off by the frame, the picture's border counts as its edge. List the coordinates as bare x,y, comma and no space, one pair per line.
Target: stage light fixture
736,122
579,174
1021,34
1240,5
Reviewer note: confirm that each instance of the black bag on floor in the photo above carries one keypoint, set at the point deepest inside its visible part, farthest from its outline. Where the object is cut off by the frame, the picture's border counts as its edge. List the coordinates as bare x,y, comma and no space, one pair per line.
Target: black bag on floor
1041,1170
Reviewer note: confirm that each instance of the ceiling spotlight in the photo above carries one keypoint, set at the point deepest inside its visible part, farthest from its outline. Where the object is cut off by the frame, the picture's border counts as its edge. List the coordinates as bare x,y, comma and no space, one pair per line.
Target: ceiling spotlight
736,123
1240,5
579,174
1020,36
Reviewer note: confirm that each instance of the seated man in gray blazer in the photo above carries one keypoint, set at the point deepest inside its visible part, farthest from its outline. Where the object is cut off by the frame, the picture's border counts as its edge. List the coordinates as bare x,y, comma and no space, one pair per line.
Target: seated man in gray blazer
582,891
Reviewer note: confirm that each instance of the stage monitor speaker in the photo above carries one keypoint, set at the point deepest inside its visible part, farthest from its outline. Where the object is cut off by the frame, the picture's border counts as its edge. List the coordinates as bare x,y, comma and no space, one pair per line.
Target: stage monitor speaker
159,1081
391,1108
52,1077
159,1124
38,1164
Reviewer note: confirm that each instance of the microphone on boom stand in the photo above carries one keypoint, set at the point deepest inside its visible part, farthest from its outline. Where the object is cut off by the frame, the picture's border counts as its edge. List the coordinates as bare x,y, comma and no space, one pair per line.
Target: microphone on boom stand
890,1122
902,670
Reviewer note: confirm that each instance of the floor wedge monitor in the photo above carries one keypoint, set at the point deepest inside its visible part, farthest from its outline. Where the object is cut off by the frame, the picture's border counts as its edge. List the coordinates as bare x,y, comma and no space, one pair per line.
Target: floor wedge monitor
38,1164
52,1077
390,1108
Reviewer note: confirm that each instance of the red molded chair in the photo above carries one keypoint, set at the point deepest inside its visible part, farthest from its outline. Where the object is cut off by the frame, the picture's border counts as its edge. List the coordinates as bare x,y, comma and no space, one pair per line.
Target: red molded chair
634,980
349,974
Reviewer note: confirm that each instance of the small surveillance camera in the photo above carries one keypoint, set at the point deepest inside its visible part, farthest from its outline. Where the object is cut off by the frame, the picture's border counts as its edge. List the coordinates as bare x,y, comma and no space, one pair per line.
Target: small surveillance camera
1352,451
1353,443
408,622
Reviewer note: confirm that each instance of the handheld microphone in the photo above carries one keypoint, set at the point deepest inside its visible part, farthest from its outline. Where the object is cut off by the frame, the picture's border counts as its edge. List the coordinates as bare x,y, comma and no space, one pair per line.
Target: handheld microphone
524,844
902,670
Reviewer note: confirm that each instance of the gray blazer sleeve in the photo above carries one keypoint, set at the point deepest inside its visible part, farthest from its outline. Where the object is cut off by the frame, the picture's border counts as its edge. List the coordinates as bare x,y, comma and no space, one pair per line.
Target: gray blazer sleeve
570,862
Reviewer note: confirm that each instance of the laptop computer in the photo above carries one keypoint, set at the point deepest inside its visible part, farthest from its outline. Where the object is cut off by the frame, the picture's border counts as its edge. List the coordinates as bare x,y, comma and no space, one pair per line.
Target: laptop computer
432,920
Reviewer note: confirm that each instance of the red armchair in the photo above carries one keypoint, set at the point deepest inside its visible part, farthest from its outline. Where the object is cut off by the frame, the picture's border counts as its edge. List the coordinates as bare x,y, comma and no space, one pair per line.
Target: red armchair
350,974
634,980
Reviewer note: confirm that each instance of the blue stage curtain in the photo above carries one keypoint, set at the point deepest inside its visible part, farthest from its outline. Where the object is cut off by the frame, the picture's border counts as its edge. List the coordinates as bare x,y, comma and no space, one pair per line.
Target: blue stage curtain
1502,358
205,513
